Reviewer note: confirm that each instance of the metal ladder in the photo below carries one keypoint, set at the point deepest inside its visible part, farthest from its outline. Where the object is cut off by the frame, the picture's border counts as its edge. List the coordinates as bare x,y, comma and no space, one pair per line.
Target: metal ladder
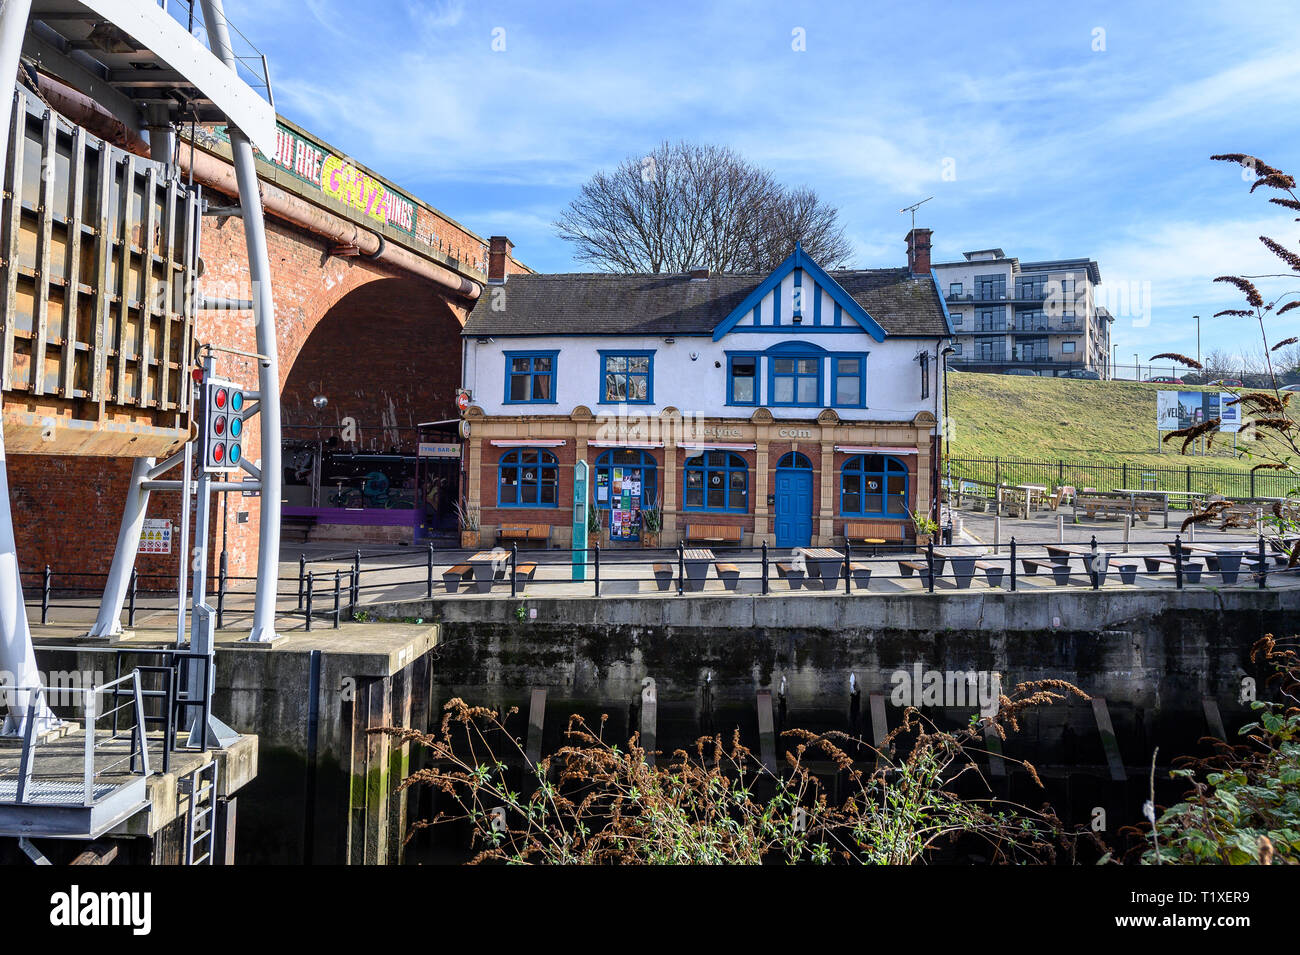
200,833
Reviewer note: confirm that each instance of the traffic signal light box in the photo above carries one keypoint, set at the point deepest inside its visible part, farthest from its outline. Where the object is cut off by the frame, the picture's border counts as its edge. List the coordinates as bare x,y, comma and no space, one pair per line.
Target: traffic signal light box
224,405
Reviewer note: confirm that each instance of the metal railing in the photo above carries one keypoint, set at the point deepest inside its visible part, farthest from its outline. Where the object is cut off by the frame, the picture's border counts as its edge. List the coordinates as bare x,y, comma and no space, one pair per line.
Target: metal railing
92,775
338,587
1186,478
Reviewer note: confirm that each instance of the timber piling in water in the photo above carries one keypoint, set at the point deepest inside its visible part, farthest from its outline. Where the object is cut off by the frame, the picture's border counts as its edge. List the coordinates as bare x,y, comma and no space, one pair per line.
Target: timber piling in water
326,789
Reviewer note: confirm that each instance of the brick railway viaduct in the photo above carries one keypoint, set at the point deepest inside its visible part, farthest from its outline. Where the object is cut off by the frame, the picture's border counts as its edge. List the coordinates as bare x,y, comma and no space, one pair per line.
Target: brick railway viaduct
371,289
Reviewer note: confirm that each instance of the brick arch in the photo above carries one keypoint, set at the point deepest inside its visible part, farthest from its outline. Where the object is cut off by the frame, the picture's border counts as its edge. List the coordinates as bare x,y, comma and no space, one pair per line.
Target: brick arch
385,354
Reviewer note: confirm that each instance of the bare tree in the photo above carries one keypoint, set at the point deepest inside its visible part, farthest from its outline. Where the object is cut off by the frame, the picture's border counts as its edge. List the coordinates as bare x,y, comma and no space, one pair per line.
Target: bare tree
688,204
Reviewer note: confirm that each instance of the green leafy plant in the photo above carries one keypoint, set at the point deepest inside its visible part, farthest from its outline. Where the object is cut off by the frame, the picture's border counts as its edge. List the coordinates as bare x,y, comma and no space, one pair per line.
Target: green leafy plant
652,517
468,516
1244,804
521,613
923,524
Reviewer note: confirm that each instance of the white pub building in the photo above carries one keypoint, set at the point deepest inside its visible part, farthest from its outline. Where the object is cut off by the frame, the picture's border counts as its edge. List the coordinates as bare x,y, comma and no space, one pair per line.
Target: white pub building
781,407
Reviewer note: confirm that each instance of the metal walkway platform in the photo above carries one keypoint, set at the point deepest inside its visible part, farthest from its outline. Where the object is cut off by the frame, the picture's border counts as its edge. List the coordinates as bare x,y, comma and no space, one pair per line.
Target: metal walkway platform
59,801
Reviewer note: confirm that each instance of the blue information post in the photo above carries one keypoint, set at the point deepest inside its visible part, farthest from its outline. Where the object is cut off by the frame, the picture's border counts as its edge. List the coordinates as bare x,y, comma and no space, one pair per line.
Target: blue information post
580,472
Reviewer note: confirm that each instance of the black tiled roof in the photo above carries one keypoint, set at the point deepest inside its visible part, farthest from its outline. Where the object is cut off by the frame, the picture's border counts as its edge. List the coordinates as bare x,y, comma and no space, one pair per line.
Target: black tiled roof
597,303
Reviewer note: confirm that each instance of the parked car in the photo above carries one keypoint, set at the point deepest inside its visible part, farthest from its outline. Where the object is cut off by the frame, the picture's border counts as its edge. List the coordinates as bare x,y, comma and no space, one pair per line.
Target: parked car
1227,383
1021,371
1165,380
1084,373
1289,388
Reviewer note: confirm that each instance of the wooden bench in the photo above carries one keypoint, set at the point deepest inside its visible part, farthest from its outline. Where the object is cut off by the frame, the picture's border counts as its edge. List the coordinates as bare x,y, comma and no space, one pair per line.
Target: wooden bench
1191,568
992,572
663,576
1060,569
791,574
874,533
861,575
919,567
1095,507
525,571
729,574
714,534
539,534
453,577
1128,570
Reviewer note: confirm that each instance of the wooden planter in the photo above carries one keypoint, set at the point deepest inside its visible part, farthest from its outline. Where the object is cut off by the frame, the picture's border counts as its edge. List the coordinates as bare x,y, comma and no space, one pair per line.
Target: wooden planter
469,540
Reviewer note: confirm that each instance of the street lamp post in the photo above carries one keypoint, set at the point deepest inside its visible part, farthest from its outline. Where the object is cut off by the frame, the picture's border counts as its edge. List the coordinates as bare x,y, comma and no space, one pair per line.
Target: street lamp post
1198,338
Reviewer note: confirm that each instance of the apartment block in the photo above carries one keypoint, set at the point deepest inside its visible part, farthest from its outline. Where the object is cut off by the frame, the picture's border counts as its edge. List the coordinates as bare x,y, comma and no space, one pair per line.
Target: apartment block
1026,318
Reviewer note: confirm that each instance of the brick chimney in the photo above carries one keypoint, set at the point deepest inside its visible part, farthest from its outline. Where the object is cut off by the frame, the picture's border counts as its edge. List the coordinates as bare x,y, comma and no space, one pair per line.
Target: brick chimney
918,251
499,248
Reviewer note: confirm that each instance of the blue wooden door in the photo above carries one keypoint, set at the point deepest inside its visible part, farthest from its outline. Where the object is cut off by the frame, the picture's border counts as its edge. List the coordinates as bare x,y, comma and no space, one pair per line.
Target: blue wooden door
793,507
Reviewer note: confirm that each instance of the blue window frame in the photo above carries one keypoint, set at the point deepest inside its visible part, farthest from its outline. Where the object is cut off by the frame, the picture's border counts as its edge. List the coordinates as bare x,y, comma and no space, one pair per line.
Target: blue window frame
716,481
530,377
848,381
528,477
794,380
742,378
627,377
873,485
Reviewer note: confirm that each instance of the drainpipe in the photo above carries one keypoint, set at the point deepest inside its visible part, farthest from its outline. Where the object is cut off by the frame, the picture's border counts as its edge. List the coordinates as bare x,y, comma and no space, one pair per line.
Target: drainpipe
216,173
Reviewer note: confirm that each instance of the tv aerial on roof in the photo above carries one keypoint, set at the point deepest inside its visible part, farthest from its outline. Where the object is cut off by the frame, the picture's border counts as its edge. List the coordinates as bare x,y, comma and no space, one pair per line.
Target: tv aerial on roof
913,207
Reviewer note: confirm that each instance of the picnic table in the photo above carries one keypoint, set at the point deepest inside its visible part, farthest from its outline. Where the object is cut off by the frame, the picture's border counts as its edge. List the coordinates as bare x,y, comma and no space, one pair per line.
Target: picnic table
696,560
962,560
823,563
485,564
1064,553
1162,496
1223,559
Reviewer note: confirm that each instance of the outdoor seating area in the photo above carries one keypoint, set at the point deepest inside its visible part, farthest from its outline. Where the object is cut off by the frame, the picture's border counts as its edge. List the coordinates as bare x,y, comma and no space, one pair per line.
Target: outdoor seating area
933,568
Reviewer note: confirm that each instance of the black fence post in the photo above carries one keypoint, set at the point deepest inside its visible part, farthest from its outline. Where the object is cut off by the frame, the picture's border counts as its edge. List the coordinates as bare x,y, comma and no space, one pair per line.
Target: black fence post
681,567
848,566
1178,561
307,615
1189,479
130,607
302,577
45,596
356,578
929,560
596,547
338,588
514,569
765,585
1060,470
1013,563
1252,484
1263,560
429,569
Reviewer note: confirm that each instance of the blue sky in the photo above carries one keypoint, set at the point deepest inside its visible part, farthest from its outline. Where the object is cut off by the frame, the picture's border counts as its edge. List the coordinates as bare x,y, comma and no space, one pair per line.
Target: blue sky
1053,148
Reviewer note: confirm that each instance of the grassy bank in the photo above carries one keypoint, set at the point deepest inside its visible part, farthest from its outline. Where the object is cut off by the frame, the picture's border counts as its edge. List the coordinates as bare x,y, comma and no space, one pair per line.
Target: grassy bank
1048,419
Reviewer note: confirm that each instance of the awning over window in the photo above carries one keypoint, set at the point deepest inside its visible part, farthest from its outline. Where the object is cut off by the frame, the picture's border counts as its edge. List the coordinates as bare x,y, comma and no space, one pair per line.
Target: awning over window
527,443
640,445
863,449
714,446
